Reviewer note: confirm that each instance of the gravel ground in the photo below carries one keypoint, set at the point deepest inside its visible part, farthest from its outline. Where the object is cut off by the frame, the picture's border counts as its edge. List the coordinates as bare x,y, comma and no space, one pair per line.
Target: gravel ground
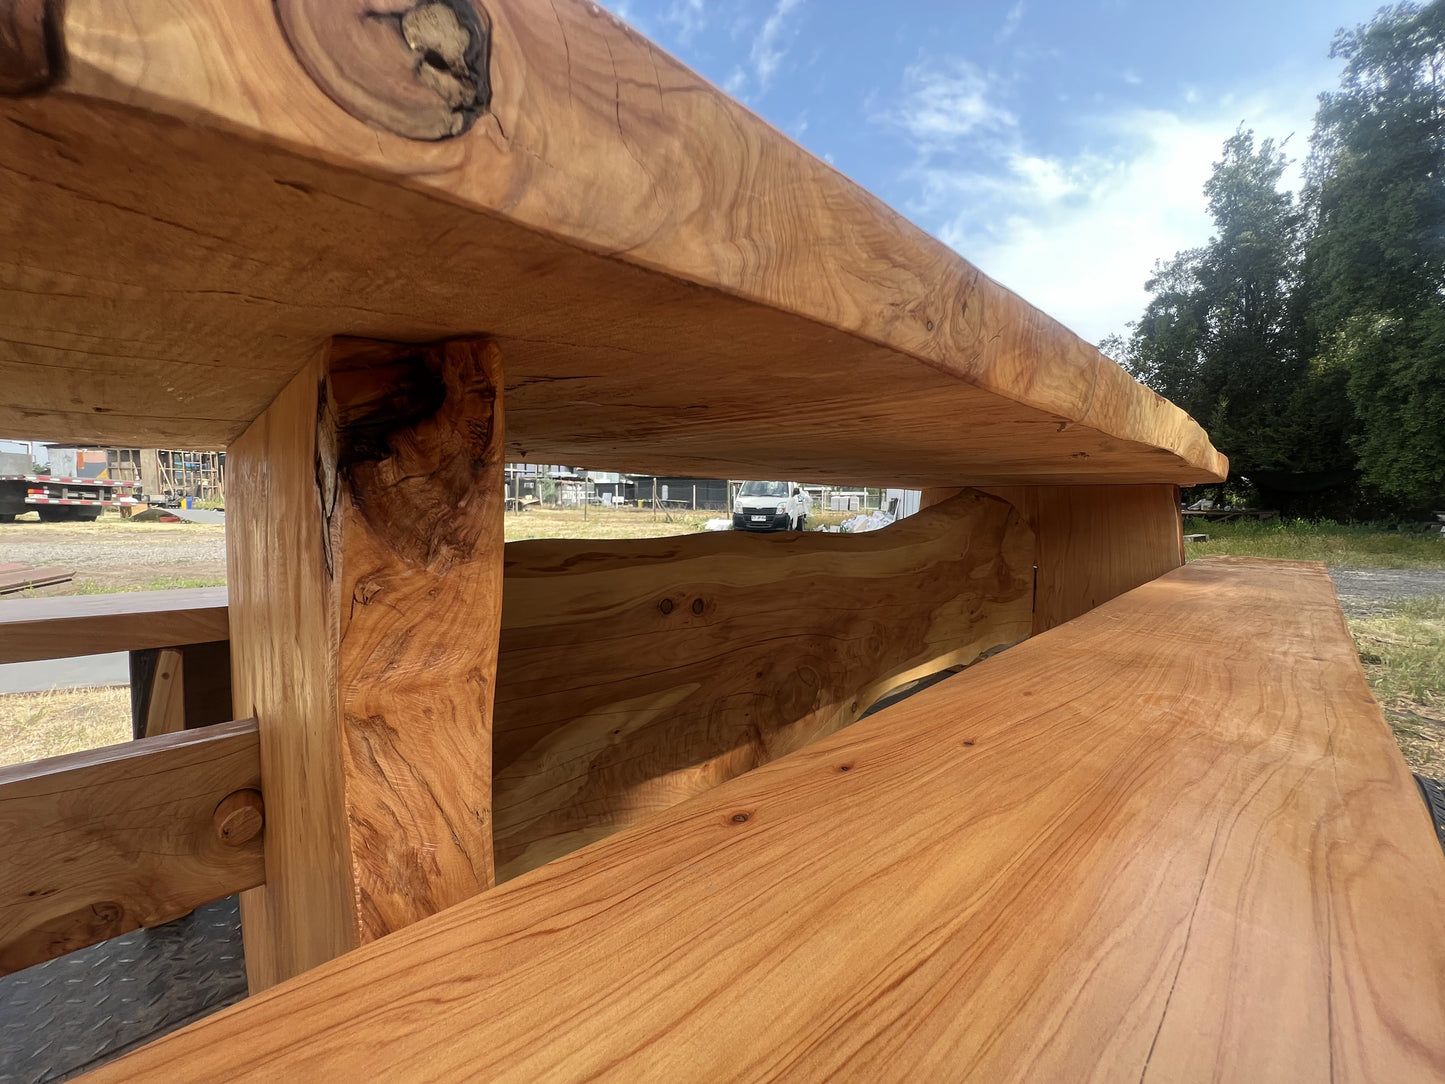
113,554
1365,591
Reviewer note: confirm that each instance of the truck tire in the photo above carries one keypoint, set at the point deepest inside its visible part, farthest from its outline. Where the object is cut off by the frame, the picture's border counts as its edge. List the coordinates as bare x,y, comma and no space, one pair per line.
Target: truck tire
56,515
802,523
8,517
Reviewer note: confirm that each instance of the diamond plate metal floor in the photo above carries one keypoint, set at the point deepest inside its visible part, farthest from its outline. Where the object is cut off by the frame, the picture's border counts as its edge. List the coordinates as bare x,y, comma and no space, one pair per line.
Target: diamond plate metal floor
64,1016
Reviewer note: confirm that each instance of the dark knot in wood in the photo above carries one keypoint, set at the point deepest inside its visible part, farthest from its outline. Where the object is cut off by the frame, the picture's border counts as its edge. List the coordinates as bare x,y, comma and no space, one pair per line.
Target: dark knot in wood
32,50
419,68
415,435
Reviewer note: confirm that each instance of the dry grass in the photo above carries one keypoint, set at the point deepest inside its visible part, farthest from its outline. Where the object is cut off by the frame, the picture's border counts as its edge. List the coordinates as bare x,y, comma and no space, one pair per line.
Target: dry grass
1403,651
1336,545
35,725
603,523
626,522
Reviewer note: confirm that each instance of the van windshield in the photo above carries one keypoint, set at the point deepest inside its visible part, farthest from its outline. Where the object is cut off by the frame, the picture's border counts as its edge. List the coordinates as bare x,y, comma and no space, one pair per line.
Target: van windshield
764,489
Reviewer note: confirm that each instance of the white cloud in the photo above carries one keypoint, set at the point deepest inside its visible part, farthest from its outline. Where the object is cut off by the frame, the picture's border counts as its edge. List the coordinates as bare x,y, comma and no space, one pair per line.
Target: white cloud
1078,234
941,107
769,47
688,17
1078,237
1130,76
765,56
1011,21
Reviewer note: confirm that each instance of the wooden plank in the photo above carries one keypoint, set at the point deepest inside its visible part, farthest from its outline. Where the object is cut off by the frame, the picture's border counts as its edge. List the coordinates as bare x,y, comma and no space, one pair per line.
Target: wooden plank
1093,542
59,627
166,705
364,543
205,695
97,843
25,579
634,675
1172,839
696,254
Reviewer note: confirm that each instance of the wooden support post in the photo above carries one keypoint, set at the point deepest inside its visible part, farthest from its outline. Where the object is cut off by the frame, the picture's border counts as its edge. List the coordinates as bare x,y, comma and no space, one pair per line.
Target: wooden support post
1094,542
365,555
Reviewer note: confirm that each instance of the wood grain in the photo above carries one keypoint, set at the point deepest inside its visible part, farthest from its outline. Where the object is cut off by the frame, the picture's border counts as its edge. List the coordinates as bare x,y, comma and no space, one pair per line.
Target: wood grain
365,544
191,215
1172,839
66,625
166,705
97,843
1093,542
283,672
633,675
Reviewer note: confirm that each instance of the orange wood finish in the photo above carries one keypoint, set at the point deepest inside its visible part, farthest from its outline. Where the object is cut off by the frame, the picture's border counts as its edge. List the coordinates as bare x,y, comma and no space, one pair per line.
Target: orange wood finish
1172,839
365,558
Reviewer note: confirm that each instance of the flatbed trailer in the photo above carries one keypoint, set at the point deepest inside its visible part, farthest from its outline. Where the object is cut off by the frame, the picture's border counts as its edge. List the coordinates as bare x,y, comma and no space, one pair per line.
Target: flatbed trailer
62,499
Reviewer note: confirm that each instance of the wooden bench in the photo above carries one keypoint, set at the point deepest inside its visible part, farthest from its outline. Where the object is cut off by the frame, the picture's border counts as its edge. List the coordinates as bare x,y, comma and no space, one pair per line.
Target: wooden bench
375,258
1171,839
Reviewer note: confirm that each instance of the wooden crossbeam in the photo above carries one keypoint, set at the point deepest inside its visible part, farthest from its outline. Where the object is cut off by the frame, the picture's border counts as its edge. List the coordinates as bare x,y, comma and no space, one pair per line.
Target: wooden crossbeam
57,628
1171,839
97,843
633,675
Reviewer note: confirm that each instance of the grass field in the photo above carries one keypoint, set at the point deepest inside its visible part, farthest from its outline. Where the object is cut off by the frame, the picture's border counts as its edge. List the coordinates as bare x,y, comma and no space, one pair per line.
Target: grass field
603,523
1403,650
35,725
625,522
1336,545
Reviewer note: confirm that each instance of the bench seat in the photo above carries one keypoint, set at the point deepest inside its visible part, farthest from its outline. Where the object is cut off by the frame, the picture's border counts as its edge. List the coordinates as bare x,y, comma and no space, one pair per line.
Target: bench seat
1171,839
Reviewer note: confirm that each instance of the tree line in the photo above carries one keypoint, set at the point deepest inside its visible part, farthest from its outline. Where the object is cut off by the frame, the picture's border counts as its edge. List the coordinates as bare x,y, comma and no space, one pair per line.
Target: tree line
1308,335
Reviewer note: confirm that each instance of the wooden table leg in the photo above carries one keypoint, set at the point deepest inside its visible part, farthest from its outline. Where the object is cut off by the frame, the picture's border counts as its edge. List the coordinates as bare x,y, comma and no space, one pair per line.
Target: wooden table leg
365,561
1093,542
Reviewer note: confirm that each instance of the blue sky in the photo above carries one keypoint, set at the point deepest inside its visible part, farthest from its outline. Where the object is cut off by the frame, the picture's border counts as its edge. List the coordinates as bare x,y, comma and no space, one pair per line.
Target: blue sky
1061,145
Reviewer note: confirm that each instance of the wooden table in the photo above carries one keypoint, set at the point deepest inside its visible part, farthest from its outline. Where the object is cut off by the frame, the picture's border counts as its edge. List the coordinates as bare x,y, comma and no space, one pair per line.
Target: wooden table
376,256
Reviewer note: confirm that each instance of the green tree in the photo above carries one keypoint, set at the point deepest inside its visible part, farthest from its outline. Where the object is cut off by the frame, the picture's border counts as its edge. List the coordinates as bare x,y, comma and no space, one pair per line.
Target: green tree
1219,335
1375,267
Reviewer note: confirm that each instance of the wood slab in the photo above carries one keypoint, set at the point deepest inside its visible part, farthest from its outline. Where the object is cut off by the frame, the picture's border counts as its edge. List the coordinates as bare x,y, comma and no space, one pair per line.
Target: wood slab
66,625
204,193
1172,839
1092,543
97,843
26,578
635,674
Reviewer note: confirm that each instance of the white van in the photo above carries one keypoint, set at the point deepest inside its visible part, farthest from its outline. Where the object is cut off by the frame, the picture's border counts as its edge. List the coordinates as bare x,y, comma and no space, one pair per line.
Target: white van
770,506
